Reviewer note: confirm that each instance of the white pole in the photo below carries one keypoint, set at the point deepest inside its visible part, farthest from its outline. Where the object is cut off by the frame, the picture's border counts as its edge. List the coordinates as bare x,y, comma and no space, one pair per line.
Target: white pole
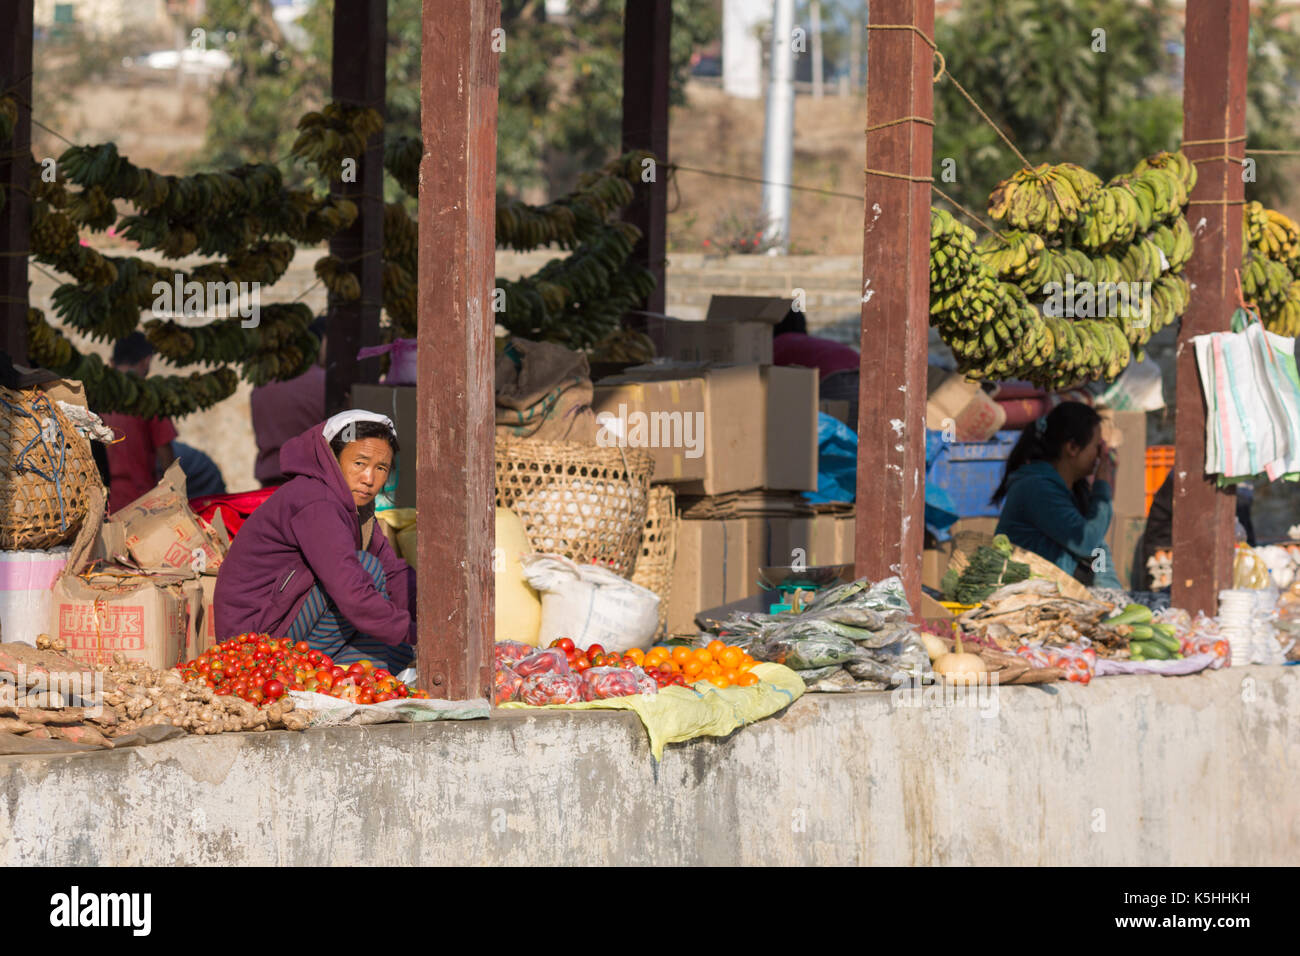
778,136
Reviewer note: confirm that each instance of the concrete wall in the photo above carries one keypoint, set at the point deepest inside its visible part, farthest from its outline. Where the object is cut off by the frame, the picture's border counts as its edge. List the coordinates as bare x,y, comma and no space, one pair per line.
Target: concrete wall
1152,771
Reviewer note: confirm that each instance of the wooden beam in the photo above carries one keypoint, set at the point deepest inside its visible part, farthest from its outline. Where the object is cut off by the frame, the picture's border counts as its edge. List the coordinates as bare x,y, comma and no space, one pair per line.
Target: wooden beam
1214,108
455,474
15,177
896,298
647,30
360,52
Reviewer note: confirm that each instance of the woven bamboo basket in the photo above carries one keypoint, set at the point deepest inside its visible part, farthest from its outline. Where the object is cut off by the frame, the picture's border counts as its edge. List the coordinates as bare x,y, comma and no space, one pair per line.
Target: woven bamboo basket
654,567
576,499
47,473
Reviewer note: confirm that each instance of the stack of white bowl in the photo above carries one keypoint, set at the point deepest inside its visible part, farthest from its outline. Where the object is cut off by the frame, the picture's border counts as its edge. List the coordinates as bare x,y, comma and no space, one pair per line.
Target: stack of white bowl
1236,623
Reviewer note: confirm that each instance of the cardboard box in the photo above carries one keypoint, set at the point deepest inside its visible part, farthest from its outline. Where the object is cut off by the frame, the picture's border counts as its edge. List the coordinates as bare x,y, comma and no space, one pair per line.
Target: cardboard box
667,419
162,532
206,631
760,425
713,566
836,408
791,432
766,309
685,340
845,534
961,407
149,619
398,403
1127,432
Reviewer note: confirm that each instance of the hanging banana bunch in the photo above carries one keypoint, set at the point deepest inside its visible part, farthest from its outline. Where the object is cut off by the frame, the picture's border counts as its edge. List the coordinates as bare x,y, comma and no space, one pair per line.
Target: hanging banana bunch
108,390
1041,199
338,279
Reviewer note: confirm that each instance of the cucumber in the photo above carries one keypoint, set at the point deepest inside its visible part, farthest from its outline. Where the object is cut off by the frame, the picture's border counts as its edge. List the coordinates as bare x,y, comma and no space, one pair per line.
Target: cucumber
1135,653
1141,632
1151,650
1168,630
1171,644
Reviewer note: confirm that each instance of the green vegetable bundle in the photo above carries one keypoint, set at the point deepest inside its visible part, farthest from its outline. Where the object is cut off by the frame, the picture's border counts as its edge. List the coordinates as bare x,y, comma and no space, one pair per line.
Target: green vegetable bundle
989,569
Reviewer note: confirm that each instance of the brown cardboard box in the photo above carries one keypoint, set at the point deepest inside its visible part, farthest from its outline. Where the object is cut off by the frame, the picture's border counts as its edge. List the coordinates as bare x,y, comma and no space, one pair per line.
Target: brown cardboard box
836,408
206,632
791,431
398,403
931,574
669,424
148,619
845,534
932,610
1127,432
760,425
713,566
162,532
954,403
767,309
732,343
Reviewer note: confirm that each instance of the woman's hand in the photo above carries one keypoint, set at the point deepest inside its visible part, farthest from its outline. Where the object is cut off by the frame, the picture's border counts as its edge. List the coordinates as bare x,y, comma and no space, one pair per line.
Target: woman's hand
1106,465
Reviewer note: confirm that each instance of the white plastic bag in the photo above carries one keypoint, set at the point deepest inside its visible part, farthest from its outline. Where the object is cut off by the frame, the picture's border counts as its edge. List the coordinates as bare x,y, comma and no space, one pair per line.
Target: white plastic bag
591,605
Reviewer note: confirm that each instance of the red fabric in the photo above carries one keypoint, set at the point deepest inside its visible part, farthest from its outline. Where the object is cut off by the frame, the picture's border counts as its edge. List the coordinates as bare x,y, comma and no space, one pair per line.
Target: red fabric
133,461
235,509
284,410
1008,391
825,355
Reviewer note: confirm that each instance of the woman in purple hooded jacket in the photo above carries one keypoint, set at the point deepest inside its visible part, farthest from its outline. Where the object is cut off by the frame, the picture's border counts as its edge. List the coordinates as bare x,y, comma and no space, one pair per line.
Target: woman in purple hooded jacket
308,564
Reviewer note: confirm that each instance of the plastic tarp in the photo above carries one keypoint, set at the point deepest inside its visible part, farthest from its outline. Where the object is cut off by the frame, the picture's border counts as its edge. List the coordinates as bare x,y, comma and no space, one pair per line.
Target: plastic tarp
676,714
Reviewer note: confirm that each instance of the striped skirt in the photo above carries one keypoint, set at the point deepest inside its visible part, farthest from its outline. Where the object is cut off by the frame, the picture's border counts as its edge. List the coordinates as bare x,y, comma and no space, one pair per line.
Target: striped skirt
322,625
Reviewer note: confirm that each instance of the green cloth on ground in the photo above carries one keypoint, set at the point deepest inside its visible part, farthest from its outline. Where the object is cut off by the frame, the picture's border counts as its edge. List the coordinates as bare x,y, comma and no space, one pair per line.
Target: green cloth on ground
684,713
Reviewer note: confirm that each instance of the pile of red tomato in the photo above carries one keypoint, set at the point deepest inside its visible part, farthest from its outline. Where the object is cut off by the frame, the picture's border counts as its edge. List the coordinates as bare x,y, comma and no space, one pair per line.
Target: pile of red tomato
261,669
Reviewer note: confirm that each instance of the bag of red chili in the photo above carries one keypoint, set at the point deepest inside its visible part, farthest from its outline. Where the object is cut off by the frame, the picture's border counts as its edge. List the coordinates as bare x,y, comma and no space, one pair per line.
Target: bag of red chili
542,689
550,661
506,684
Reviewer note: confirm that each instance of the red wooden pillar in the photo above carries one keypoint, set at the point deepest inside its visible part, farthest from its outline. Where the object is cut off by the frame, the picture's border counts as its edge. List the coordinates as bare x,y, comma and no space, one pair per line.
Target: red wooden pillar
1214,108
15,171
457,259
896,298
647,29
360,51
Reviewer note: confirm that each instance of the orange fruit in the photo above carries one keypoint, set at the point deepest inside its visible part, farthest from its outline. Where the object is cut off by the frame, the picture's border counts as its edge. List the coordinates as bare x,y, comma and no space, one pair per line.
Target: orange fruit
669,666
656,655
731,674
731,657
636,654
713,670
692,669
681,655
719,681
702,655
747,680
716,647
746,666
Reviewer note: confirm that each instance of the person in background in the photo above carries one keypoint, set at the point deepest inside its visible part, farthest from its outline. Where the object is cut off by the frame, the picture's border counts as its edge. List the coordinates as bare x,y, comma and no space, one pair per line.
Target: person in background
148,446
1056,494
284,410
1159,532
145,448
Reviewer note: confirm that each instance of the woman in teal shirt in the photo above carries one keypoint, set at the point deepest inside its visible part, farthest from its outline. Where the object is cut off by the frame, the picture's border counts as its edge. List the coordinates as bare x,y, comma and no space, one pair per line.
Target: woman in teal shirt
1051,507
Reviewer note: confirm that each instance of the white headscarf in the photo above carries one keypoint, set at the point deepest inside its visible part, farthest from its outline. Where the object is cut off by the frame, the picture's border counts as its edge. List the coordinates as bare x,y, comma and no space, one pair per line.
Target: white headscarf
337,423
